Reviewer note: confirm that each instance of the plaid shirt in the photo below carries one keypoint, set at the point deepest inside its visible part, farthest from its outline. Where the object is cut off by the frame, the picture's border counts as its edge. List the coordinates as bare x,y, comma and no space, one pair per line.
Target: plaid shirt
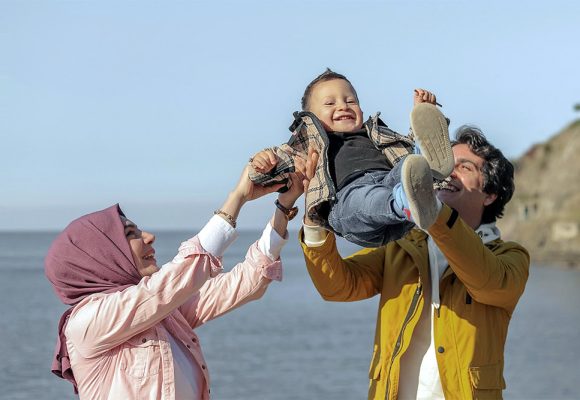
307,131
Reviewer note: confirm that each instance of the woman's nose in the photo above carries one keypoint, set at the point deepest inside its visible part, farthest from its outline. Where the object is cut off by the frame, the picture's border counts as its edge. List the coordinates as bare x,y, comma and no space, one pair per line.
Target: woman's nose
148,238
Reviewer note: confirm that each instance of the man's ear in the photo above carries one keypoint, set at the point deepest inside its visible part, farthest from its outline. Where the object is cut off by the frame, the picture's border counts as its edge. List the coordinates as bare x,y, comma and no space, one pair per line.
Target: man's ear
489,198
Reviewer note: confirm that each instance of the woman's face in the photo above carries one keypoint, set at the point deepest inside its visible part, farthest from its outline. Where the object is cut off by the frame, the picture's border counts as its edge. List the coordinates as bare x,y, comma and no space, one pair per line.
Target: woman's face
142,250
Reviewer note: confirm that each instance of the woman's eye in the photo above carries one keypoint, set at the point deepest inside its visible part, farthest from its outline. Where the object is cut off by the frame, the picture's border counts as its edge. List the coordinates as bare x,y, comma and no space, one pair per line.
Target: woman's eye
130,232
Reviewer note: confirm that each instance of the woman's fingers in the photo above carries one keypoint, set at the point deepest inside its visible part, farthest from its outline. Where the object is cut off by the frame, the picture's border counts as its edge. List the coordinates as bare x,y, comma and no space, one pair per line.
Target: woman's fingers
260,190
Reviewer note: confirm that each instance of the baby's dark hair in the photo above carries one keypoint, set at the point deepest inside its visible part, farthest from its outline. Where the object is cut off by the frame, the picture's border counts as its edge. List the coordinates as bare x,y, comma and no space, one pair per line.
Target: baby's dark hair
327,75
498,171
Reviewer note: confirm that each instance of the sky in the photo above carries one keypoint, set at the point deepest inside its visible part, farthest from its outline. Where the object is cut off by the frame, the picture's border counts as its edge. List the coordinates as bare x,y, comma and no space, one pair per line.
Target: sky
158,105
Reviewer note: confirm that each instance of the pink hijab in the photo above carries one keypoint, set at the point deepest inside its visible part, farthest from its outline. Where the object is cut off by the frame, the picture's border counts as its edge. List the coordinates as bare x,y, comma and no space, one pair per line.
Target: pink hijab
91,255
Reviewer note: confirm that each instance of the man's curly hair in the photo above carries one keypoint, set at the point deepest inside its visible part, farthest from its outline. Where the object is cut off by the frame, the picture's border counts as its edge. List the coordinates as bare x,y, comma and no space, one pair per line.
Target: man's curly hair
498,171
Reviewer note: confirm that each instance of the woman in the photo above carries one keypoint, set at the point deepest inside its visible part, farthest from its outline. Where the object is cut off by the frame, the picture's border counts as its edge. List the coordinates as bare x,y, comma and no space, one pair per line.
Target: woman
128,334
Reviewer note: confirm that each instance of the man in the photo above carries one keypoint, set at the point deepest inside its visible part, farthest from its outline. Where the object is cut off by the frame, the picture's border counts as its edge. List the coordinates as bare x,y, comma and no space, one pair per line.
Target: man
447,292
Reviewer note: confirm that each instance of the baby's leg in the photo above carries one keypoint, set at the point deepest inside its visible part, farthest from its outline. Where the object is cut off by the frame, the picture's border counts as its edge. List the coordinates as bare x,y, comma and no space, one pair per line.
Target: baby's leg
363,213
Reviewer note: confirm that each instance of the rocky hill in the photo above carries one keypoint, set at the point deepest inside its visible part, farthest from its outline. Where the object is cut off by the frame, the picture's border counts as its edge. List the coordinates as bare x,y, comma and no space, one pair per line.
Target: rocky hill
544,214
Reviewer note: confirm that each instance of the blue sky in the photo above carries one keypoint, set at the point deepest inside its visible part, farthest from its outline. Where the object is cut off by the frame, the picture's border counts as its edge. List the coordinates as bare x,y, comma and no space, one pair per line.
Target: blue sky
157,105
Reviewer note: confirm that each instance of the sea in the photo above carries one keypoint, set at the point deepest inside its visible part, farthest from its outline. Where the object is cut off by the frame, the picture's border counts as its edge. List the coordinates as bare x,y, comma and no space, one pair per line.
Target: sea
290,344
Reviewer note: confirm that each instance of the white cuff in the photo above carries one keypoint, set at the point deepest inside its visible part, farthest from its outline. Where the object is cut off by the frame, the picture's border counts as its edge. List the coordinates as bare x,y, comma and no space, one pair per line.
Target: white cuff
216,236
314,236
271,243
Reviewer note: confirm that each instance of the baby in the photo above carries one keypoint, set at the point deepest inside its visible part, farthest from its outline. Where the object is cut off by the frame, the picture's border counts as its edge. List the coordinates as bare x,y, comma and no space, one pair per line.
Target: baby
368,187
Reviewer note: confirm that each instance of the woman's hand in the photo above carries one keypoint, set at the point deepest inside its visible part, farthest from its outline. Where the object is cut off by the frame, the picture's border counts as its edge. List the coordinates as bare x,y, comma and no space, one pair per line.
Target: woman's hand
248,190
245,191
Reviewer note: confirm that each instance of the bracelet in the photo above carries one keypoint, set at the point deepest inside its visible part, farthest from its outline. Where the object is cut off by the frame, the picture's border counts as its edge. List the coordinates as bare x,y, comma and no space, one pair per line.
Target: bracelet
230,220
290,213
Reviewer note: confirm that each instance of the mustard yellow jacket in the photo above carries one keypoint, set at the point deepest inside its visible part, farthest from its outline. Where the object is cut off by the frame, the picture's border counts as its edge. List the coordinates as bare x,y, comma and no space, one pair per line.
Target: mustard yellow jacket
479,292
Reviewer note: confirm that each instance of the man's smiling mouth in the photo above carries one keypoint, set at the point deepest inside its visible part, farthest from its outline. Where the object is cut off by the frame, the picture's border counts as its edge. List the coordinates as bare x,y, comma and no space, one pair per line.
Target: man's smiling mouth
448,187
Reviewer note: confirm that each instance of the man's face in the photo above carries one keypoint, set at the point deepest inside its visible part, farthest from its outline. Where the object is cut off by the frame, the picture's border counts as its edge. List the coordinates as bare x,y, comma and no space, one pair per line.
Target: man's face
464,192
142,250
335,104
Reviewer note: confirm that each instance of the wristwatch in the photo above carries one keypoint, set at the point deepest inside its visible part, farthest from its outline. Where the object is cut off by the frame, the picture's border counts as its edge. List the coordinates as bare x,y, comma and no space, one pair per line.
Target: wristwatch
288,212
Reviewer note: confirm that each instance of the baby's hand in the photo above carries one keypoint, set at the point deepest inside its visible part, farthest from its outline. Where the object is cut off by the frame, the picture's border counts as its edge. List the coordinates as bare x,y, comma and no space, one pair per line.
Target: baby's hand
264,161
424,96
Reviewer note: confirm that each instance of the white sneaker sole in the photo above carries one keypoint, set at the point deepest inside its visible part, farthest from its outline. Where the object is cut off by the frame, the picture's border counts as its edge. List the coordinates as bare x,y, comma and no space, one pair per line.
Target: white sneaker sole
432,137
417,181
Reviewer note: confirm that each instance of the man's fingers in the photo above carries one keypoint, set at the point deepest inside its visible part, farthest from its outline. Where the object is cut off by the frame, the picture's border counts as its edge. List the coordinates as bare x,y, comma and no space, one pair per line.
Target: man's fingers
277,187
300,165
312,163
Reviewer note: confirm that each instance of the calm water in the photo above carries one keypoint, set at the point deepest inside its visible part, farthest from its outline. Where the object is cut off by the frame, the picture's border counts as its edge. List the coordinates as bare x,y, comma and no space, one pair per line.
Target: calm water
290,344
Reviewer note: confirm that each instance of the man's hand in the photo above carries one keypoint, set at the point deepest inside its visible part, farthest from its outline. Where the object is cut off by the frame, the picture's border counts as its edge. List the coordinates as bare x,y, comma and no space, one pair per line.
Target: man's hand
424,96
308,168
289,197
264,161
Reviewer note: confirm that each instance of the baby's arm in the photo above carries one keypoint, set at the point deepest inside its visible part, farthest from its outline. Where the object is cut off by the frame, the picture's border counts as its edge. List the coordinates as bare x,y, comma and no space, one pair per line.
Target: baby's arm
264,161
424,96
272,165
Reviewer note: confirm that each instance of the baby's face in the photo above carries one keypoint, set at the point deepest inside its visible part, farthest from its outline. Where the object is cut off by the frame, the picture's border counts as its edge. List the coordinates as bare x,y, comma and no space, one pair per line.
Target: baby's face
336,106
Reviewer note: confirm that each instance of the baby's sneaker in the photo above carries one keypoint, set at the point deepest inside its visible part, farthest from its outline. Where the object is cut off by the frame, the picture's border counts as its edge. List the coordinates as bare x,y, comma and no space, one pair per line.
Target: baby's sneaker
432,138
414,197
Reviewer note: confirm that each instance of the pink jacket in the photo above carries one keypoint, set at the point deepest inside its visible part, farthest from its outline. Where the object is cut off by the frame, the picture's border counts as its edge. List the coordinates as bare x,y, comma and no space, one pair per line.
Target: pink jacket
118,351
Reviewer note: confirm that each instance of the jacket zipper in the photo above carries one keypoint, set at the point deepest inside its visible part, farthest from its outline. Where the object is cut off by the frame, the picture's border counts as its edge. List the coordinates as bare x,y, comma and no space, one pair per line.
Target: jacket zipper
399,344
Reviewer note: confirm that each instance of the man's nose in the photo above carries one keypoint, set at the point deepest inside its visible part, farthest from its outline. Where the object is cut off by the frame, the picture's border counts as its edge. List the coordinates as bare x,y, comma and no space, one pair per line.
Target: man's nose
453,173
